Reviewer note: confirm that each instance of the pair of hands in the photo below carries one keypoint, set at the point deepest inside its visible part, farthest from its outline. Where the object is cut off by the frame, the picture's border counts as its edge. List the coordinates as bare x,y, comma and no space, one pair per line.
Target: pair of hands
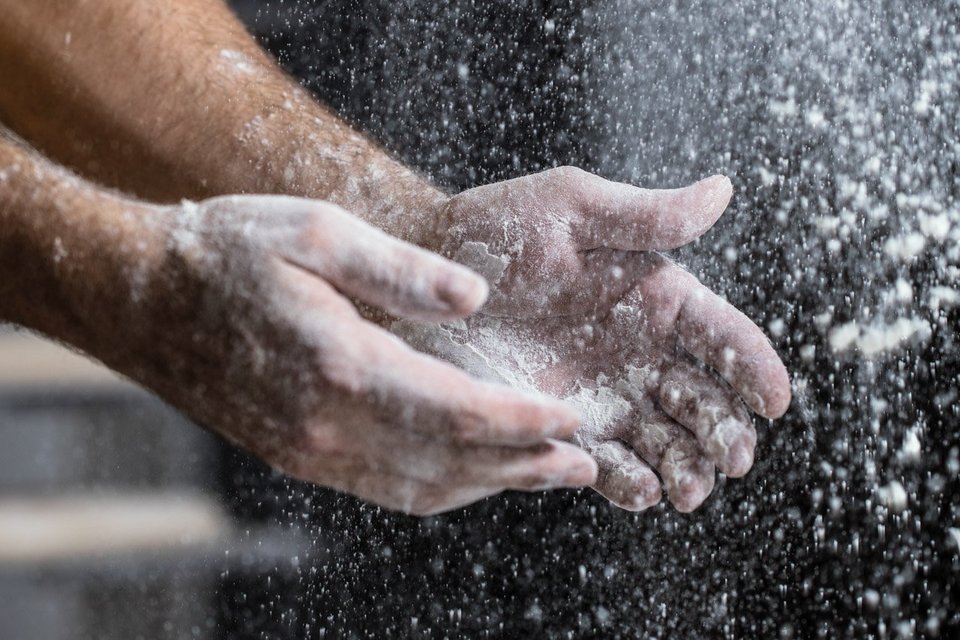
237,312
277,359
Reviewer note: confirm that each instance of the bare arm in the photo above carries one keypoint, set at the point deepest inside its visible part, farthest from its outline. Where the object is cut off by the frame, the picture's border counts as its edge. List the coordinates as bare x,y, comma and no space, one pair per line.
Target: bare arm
59,246
173,99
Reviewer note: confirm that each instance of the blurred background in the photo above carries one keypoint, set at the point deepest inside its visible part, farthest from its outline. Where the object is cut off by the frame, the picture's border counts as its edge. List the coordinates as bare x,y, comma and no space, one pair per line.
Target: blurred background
839,124
113,520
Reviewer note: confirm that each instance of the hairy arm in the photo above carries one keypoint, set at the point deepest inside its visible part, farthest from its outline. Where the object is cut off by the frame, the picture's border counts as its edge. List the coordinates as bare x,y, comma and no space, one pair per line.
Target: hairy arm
60,246
173,99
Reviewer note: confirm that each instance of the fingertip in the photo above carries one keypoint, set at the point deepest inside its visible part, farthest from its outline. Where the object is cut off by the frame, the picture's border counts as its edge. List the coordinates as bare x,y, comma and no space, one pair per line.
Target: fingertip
687,495
560,465
731,446
688,478
625,480
692,211
714,193
591,473
722,188
780,395
462,291
646,494
772,394
739,460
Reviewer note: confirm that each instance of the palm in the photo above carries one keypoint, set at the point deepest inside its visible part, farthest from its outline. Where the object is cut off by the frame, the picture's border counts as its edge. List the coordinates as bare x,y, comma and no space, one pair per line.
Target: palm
626,336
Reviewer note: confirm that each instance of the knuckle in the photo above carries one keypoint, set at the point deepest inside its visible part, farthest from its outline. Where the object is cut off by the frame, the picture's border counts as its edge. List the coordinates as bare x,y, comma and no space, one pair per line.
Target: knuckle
568,174
345,375
324,225
573,183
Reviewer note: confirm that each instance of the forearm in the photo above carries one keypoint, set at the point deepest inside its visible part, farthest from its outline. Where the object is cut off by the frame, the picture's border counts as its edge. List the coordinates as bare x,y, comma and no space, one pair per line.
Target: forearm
173,99
64,247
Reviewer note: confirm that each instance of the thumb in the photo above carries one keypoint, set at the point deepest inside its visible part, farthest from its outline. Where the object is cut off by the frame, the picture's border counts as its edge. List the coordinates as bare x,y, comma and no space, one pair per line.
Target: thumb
621,216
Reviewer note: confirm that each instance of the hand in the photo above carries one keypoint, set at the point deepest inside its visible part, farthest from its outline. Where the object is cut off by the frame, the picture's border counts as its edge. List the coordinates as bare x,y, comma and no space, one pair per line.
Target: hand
583,308
548,243
242,323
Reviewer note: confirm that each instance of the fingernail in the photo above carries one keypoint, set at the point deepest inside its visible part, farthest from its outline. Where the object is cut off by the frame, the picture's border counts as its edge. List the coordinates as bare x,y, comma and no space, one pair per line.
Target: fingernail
464,291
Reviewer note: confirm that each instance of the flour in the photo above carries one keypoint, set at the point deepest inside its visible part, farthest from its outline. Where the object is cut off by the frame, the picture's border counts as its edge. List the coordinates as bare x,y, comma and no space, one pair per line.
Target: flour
911,449
905,247
879,337
893,496
447,342
599,409
954,534
502,351
185,236
477,256
238,59
941,296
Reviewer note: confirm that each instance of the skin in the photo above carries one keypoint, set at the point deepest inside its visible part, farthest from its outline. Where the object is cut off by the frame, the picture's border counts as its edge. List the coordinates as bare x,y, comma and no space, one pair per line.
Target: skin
171,100
584,281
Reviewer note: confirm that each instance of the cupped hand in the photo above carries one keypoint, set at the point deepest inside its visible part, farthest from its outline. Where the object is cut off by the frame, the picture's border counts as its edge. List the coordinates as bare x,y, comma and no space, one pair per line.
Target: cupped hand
664,372
244,323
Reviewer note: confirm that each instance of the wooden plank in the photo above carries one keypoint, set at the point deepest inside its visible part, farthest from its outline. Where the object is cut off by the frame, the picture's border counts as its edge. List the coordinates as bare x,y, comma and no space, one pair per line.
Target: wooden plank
52,528
28,362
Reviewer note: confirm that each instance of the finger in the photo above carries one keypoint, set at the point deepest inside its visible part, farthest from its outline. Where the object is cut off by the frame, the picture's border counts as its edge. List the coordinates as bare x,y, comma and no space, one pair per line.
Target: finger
470,411
688,475
408,495
432,499
554,465
722,337
702,403
437,480
369,265
551,465
435,397
481,412
621,216
624,479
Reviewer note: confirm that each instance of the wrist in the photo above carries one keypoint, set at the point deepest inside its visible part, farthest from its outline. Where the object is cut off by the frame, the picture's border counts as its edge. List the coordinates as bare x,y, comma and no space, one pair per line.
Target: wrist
69,253
421,218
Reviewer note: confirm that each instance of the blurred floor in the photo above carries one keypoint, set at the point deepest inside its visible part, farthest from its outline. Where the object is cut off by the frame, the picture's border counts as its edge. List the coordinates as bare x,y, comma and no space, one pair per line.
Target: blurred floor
112,517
